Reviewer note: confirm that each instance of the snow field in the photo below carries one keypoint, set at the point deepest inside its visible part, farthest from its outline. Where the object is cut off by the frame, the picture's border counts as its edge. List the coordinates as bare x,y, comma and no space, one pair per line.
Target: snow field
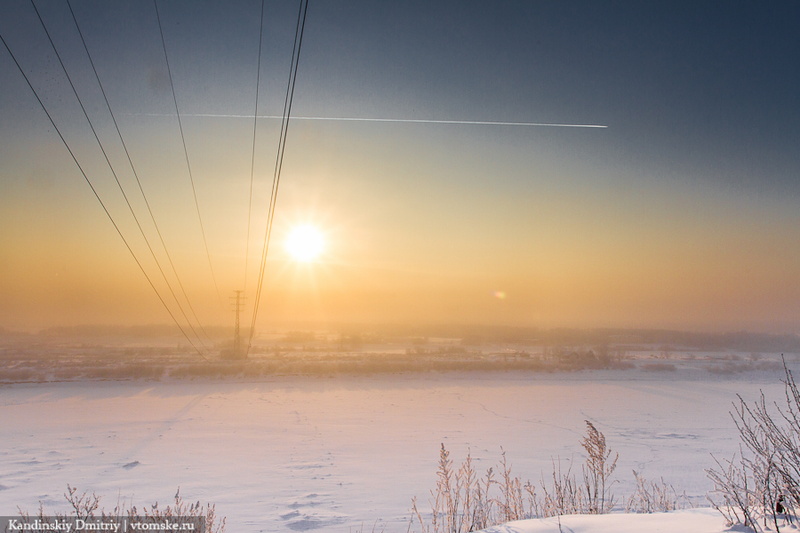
342,454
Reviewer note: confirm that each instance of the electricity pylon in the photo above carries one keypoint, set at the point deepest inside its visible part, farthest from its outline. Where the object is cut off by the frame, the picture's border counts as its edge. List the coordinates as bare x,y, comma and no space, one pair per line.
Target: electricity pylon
237,341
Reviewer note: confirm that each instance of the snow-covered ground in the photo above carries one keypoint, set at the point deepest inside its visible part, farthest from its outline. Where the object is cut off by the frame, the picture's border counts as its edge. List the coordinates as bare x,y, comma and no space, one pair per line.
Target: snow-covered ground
345,453
684,521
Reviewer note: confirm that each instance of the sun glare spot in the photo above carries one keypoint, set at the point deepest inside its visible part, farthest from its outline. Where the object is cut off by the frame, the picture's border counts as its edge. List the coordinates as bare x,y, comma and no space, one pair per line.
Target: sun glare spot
305,243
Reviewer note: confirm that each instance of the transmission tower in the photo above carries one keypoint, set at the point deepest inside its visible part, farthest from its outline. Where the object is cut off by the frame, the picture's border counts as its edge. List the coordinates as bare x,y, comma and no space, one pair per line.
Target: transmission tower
238,303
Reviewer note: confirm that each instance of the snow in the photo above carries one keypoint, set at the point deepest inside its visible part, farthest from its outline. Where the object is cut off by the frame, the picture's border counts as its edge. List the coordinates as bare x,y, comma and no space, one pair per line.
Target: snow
342,454
685,521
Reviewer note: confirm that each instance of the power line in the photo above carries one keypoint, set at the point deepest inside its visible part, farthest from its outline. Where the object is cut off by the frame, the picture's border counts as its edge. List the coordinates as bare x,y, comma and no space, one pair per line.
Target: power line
141,190
287,111
253,154
108,161
97,196
186,151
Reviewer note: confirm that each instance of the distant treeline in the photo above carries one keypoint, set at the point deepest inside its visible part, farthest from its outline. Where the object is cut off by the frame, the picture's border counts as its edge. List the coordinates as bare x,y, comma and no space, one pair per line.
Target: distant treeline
476,335
664,339
128,332
737,341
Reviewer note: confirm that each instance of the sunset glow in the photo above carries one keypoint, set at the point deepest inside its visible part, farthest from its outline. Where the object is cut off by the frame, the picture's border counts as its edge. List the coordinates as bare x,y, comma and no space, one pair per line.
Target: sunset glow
576,181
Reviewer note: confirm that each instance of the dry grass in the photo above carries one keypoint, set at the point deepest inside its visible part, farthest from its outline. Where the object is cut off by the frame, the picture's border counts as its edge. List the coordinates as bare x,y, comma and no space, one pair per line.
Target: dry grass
86,507
463,501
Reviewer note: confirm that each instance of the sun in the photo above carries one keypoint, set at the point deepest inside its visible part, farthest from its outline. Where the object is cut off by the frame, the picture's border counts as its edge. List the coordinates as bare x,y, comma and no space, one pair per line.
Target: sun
305,243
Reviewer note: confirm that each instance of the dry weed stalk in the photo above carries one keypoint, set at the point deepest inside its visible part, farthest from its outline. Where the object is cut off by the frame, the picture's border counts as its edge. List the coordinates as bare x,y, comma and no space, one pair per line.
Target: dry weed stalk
463,502
652,496
598,470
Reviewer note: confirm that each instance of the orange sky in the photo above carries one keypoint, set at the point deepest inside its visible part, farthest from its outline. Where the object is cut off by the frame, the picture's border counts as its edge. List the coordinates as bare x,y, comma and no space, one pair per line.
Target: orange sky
672,216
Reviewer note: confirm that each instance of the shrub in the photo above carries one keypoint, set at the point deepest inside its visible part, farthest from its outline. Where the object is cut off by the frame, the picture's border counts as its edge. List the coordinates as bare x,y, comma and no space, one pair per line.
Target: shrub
659,367
761,489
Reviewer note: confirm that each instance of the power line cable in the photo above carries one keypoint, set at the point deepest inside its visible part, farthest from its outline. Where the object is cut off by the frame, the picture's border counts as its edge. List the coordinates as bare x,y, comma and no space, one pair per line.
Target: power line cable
186,151
108,162
287,111
141,189
253,154
110,166
97,196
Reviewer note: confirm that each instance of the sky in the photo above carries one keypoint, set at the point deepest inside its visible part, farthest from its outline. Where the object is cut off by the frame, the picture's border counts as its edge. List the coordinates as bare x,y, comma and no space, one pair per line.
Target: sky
681,212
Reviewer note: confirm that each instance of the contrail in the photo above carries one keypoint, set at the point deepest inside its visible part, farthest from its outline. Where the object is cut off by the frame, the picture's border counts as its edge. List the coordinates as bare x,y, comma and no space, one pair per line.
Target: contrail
401,120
